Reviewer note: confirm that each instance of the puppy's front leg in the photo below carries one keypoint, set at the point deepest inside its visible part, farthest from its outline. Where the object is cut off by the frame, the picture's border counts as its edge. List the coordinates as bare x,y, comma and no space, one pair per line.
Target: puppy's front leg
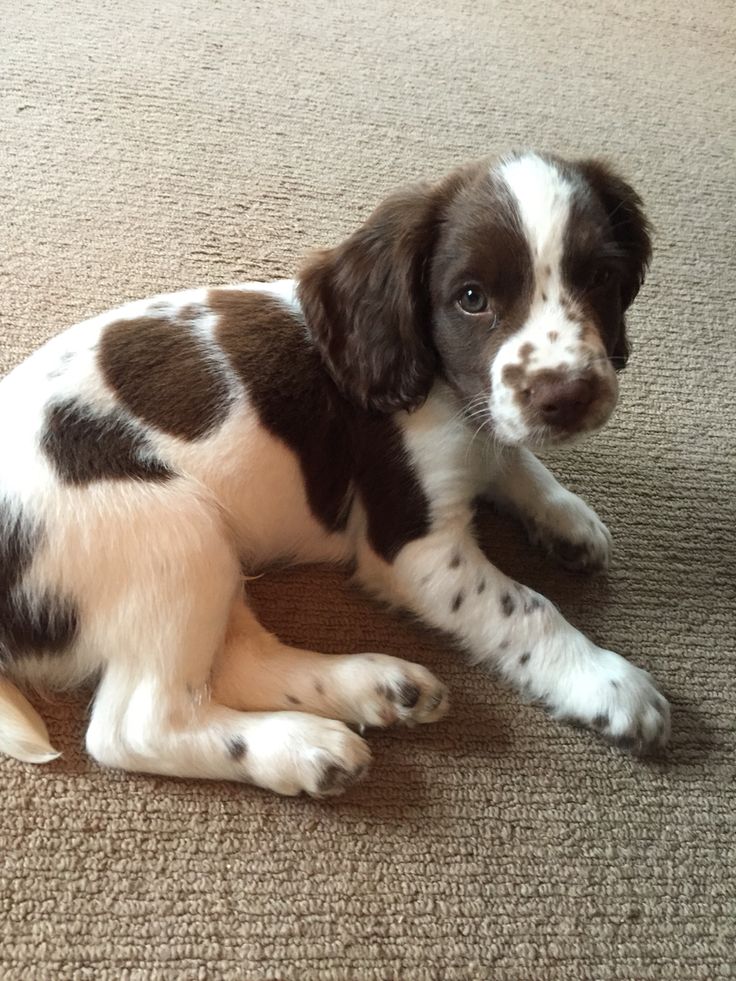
555,518
446,580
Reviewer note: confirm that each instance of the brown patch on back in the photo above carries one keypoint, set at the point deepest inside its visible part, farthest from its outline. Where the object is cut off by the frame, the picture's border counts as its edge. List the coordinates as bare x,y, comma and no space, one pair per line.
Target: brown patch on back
85,446
161,372
340,446
29,623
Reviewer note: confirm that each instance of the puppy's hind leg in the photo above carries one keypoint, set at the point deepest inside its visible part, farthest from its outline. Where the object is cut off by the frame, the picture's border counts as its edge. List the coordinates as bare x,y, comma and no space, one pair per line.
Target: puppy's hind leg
255,671
153,711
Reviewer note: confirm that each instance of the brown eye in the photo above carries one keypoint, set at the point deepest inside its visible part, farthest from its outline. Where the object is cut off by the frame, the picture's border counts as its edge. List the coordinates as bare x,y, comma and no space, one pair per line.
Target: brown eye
600,278
472,300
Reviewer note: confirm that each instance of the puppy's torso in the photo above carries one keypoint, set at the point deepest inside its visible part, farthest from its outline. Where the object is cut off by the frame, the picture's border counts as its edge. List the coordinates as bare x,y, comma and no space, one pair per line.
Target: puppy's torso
139,428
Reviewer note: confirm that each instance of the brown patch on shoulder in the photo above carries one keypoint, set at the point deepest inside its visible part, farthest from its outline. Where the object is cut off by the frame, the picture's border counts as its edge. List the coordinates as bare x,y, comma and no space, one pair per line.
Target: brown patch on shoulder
295,398
161,372
340,447
30,623
84,446
396,505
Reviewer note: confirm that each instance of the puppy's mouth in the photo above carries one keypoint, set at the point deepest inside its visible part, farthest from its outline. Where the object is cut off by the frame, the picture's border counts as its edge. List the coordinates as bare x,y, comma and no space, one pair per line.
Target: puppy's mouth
554,407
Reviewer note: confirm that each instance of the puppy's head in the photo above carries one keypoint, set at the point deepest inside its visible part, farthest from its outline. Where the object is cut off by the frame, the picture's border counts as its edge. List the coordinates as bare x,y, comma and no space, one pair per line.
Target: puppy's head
508,279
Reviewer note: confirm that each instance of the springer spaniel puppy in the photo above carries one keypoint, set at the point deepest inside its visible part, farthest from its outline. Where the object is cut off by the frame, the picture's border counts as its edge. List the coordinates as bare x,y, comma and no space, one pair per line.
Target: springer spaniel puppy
150,454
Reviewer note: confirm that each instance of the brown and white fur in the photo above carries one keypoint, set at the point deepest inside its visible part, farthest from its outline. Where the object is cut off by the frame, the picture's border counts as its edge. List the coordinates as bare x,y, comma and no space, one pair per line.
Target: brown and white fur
150,454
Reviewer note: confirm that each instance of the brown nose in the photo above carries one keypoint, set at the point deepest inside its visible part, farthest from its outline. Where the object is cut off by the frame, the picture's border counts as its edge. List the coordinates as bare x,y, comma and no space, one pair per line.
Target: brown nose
561,402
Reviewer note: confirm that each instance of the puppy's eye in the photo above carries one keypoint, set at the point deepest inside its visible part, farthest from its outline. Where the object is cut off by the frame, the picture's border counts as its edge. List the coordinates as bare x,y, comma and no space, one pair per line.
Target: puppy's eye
472,299
599,278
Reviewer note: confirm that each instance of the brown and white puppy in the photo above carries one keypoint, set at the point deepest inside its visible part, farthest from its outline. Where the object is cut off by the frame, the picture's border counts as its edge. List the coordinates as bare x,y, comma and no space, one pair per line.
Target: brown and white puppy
352,415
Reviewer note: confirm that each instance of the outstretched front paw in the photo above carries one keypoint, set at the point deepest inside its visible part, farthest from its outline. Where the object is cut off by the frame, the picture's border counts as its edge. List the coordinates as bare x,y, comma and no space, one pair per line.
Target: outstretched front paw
618,701
571,532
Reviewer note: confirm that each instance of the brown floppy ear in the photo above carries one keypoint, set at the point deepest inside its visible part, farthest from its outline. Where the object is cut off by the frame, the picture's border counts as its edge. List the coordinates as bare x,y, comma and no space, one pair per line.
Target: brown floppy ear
366,303
632,233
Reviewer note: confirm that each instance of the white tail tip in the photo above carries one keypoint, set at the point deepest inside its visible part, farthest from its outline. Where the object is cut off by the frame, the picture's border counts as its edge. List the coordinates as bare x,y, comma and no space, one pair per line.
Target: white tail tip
23,733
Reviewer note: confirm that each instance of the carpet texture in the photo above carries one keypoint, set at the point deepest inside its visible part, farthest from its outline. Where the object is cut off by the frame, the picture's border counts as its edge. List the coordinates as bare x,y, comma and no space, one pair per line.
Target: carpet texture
147,147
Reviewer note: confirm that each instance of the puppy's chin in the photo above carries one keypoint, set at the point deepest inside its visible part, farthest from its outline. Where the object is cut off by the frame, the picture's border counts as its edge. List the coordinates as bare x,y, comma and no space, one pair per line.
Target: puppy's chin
541,437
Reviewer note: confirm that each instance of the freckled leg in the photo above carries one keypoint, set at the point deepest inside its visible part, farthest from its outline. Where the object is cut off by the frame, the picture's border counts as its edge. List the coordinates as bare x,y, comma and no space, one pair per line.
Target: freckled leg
163,624
256,672
153,711
446,580
555,518
147,726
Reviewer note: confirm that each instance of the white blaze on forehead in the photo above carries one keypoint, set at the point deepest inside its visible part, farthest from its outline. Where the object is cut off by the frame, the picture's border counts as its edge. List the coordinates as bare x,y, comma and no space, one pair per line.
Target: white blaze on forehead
542,196
549,338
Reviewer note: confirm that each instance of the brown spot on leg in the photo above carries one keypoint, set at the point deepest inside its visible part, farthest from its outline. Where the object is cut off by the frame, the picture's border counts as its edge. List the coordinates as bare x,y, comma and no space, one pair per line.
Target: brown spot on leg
457,601
507,604
552,335
524,659
481,586
456,560
531,604
334,779
237,749
319,687
407,694
293,700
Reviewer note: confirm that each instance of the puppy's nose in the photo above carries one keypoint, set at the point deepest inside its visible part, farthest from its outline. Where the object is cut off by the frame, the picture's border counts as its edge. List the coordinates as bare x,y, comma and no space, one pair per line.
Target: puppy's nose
562,402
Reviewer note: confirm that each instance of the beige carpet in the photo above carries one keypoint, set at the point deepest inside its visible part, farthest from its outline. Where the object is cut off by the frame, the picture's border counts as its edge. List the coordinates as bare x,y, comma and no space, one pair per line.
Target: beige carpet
151,146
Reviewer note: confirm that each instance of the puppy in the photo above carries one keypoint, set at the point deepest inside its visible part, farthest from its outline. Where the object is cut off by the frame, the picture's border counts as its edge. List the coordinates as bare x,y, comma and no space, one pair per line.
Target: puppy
352,415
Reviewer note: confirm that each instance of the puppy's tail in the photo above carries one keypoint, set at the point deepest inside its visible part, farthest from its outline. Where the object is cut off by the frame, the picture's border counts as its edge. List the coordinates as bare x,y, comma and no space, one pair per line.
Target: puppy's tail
23,733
